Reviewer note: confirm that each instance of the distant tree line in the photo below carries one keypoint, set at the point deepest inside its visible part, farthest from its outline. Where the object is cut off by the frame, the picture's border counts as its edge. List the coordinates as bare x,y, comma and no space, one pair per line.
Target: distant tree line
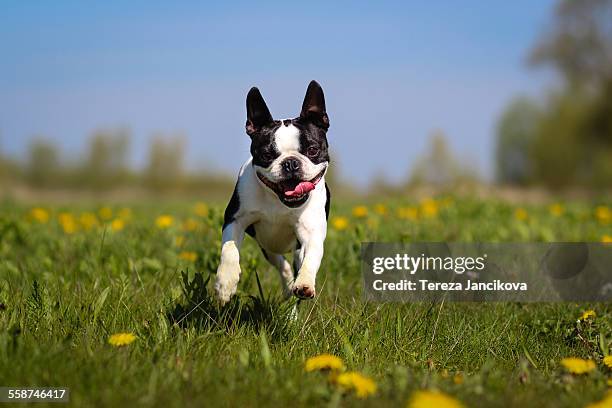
566,140
105,165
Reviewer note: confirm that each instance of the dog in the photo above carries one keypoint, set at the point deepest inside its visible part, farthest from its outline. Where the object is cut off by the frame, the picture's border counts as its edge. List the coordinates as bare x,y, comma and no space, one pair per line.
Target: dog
281,198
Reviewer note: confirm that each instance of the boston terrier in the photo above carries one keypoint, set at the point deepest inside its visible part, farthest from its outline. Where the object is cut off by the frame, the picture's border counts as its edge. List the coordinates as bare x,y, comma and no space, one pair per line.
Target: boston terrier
280,198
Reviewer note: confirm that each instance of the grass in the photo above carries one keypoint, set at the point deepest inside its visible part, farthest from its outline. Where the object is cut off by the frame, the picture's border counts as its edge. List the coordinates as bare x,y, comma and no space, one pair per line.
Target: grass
69,281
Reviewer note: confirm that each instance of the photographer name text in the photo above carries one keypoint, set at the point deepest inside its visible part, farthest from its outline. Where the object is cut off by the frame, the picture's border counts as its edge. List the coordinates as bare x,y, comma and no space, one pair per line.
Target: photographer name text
426,285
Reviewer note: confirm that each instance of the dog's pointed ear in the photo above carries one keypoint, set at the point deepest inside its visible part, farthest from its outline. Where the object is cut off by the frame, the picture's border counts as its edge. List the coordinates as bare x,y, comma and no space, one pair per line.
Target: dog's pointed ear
313,107
258,113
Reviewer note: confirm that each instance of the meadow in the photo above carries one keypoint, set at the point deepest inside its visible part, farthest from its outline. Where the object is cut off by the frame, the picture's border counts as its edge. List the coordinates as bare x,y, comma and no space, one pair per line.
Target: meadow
73,277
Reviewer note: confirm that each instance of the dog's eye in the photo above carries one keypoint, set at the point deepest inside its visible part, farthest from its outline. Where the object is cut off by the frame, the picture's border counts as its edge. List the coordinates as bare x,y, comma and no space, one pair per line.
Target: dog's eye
312,151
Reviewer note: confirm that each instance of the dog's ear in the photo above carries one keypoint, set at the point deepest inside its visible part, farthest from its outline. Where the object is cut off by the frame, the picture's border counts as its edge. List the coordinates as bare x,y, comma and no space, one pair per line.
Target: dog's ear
258,113
313,108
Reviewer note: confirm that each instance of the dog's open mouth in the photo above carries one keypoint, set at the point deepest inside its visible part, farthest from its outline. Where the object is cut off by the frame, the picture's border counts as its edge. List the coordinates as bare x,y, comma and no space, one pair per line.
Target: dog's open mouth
292,192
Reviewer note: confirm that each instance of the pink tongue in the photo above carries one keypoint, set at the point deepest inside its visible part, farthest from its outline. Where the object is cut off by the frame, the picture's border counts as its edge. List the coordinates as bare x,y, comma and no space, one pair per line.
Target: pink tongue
301,189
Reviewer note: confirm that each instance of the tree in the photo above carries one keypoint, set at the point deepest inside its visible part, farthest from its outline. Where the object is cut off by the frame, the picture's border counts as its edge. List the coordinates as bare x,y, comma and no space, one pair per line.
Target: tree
438,166
570,139
516,133
165,165
43,164
106,162
579,43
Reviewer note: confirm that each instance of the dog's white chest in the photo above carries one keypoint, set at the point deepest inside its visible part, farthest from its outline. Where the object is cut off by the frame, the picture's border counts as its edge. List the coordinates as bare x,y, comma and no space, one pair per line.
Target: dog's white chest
275,235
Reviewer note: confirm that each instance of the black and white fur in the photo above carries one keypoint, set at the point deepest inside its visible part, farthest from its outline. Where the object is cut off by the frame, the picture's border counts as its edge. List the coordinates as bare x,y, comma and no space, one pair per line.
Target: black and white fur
283,153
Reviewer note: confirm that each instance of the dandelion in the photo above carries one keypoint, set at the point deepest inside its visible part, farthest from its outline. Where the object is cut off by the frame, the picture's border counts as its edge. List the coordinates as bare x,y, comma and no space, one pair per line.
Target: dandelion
106,213
429,208
164,221
607,360
362,385
339,223
607,239
433,399
201,210
588,314
68,223
323,362
556,210
604,403
409,213
602,213
188,256
190,224
117,224
576,365
88,220
40,215
121,339
380,209
360,211
520,214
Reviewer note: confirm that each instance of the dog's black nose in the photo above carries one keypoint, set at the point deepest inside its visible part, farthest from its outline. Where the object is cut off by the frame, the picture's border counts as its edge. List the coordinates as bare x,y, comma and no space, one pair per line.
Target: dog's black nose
291,165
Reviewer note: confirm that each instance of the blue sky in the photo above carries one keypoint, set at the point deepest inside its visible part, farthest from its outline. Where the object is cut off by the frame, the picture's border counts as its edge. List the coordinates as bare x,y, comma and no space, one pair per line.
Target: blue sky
392,72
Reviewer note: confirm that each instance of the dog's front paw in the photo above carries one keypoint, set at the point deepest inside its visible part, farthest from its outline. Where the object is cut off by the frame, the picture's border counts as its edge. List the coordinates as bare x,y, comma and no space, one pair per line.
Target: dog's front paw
304,288
227,282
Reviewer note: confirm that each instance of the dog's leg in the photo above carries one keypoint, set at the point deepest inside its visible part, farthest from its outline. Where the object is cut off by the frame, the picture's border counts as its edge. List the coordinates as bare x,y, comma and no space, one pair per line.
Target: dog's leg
284,270
228,272
298,258
312,247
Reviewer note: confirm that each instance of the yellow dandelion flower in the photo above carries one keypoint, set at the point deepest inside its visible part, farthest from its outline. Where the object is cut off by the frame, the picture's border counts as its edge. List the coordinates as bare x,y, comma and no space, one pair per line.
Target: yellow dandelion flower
409,213
88,220
604,403
179,241
201,209
556,210
588,314
188,256
521,214
433,399
576,365
190,224
125,214
603,214
607,360
607,239
362,385
360,211
117,224
164,221
324,362
339,223
429,208
40,215
106,213
380,209
68,223
121,339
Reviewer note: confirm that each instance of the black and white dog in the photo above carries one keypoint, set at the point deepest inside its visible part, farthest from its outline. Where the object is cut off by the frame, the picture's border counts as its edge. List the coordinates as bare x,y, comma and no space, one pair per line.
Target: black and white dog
280,198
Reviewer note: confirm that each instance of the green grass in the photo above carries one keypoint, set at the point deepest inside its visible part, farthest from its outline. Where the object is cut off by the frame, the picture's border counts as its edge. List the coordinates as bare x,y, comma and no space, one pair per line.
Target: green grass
63,294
